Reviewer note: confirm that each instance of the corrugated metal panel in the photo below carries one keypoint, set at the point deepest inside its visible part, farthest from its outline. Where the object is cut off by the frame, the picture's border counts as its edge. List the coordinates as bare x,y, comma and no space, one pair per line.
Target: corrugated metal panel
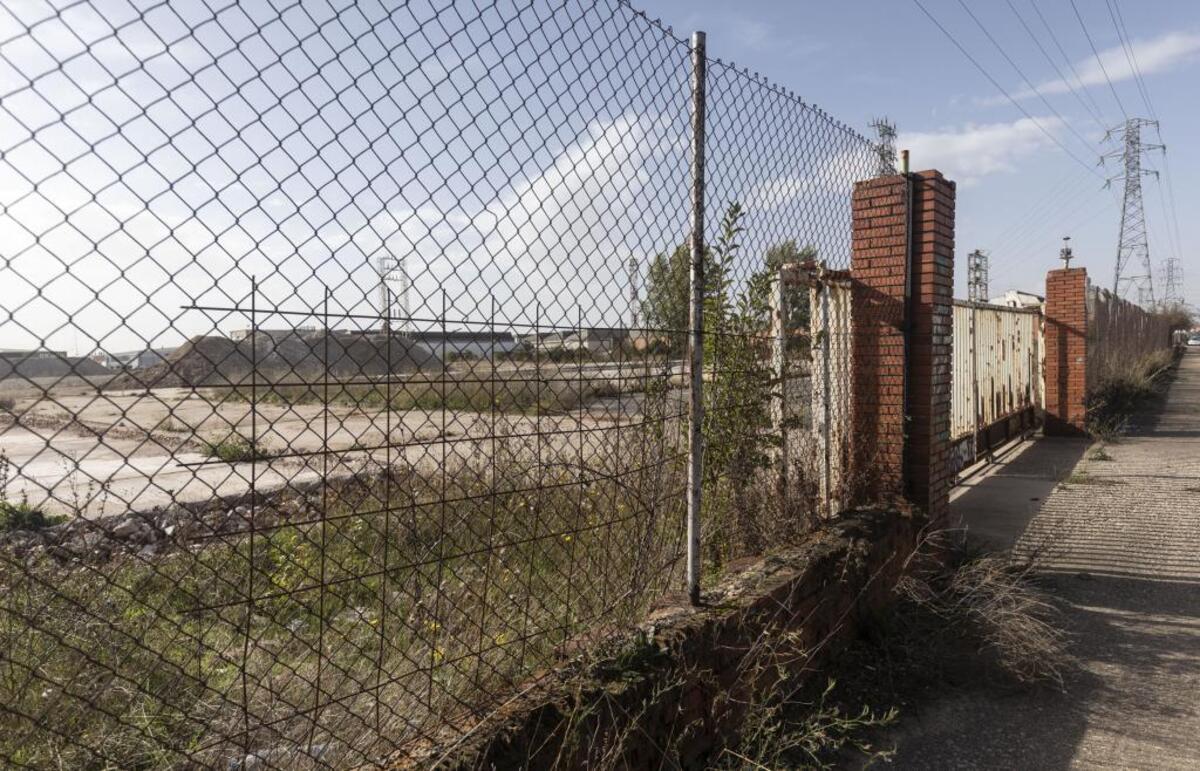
962,378
997,368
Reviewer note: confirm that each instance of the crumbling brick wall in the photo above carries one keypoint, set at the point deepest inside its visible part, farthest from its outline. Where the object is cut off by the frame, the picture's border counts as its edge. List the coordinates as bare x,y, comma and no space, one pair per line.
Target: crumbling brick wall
678,691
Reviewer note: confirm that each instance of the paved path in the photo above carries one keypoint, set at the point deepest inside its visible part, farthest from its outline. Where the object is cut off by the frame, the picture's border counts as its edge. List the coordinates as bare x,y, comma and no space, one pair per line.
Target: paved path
1119,539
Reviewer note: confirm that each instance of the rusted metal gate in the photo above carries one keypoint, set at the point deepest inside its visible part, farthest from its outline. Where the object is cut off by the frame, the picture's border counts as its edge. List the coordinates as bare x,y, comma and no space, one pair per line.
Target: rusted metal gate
997,376
812,340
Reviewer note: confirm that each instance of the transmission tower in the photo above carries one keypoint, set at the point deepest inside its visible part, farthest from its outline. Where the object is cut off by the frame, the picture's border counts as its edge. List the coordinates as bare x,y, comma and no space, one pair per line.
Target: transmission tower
635,299
886,148
1133,250
1172,273
393,291
977,276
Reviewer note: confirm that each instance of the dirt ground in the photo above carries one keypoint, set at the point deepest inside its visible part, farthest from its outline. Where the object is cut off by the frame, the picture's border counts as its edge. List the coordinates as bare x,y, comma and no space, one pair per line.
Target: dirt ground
74,449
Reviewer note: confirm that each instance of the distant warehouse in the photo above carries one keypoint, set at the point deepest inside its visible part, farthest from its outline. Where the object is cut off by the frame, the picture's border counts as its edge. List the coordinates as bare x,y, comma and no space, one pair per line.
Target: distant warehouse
444,344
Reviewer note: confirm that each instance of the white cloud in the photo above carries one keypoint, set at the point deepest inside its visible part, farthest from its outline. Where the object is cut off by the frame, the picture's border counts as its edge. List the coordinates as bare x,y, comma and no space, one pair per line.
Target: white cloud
1157,55
750,33
976,150
558,236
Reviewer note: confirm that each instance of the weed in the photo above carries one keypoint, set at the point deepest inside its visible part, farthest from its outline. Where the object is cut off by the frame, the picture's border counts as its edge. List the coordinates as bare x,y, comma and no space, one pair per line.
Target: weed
633,658
173,425
807,734
1099,454
1084,478
155,645
22,516
19,515
236,449
988,600
1121,388
480,389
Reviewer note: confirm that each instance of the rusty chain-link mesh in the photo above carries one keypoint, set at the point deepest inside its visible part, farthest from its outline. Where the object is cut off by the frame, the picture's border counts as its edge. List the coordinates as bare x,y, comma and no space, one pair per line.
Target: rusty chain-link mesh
343,378
778,382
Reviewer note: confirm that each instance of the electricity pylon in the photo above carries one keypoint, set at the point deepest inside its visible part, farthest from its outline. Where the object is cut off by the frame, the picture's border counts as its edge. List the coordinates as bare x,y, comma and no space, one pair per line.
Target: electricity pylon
1172,274
1133,250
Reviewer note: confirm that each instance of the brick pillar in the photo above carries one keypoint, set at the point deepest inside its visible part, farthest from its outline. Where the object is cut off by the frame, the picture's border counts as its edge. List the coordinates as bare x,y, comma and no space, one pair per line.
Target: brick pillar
877,268
1066,351
927,462
892,461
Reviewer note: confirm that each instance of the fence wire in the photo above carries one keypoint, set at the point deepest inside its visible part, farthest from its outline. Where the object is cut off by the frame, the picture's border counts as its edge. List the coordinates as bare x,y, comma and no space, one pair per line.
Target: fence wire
343,384
1122,339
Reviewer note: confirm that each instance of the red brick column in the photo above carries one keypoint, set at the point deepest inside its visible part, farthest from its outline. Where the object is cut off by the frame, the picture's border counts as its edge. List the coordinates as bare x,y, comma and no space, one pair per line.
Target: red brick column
1066,351
892,460
928,466
877,268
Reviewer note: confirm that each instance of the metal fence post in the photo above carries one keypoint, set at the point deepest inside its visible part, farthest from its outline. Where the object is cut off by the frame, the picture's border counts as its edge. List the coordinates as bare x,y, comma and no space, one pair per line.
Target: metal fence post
975,404
826,389
779,317
696,323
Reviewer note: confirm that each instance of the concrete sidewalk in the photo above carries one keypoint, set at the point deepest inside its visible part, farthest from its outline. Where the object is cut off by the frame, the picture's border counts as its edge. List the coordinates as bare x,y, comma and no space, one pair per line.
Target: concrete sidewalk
1117,534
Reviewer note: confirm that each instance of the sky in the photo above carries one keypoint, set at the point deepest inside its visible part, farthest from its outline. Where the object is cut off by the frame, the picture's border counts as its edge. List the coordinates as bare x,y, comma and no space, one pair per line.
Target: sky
173,169
1019,192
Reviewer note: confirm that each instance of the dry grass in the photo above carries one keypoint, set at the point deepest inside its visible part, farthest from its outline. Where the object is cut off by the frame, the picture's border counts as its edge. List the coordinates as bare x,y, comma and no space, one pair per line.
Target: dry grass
475,386
991,601
380,606
1122,386
798,722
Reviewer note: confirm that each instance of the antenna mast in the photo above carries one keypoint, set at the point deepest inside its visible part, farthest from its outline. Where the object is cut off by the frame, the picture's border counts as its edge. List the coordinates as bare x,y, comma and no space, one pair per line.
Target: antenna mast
977,276
886,147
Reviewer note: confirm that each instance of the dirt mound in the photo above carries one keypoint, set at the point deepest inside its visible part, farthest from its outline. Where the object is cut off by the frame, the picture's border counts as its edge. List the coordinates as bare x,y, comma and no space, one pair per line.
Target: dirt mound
273,357
45,364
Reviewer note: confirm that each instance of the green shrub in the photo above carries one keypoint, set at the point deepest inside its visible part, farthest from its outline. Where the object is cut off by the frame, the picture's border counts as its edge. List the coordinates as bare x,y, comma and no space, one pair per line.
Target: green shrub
235,449
22,516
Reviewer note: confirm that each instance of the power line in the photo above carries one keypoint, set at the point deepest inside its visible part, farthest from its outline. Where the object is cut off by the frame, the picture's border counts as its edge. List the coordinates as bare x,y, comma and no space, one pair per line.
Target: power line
1028,82
1014,251
1114,13
1171,196
1002,90
1099,61
1172,243
1170,213
1049,205
1053,64
1067,220
1172,274
1069,223
1070,65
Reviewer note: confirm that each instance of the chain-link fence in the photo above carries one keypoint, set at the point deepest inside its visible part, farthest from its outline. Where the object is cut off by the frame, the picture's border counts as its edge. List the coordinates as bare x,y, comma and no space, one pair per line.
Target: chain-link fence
347,360
1122,340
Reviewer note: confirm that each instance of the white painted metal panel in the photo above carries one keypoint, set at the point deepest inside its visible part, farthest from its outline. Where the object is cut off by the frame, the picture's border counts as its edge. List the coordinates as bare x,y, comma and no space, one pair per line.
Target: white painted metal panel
996,365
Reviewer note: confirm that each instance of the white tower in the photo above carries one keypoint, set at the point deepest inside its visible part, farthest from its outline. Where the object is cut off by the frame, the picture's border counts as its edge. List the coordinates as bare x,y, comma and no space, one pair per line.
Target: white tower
394,287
